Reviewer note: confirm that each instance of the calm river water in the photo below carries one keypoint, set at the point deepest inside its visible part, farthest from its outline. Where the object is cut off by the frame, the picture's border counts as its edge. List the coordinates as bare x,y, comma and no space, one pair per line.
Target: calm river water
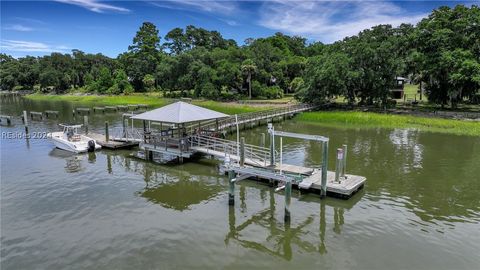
419,209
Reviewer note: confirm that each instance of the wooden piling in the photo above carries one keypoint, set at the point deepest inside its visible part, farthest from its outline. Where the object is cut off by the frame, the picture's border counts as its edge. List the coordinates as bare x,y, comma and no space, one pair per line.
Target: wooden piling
106,132
323,188
344,166
242,151
288,195
25,121
85,123
262,140
231,188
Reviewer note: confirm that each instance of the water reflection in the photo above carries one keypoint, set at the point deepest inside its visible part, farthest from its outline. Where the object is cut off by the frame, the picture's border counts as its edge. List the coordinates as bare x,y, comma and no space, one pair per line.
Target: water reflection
432,175
279,238
172,187
73,162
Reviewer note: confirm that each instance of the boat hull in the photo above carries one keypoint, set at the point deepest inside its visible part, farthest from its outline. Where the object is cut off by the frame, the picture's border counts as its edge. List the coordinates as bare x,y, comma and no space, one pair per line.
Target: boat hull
76,147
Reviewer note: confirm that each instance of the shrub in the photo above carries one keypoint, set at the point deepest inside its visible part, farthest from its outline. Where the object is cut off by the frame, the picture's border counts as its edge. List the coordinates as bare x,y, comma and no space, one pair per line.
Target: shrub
209,91
257,89
273,92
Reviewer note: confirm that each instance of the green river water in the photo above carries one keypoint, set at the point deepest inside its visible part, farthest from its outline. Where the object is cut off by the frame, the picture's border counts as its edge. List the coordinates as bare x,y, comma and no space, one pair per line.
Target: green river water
419,209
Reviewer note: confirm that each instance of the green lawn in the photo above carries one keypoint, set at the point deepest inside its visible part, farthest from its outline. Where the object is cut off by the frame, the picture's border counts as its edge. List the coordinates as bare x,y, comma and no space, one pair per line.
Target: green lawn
152,100
351,119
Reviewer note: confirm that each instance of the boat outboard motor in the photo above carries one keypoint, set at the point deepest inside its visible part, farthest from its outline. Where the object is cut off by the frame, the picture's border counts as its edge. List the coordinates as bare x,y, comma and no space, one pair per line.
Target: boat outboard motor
91,146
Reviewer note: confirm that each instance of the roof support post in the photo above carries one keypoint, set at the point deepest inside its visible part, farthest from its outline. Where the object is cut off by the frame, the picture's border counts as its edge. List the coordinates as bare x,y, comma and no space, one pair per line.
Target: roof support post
271,131
144,131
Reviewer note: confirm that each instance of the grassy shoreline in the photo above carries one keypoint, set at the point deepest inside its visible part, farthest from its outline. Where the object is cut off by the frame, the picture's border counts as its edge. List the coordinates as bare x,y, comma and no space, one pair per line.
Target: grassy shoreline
351,119
151,100
344,119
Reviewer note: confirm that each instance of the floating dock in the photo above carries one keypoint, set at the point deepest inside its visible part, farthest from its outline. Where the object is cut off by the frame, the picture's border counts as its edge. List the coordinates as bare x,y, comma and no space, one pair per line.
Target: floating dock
113,143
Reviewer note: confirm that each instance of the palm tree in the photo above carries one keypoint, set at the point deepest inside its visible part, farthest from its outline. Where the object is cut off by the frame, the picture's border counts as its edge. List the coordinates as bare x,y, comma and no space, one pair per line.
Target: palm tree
249,68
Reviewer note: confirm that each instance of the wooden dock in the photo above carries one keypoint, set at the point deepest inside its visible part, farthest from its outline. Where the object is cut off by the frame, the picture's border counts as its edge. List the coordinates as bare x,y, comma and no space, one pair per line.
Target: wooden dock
82,110
6,118
345,187
112,143
36,114
248,120
102,109
48,113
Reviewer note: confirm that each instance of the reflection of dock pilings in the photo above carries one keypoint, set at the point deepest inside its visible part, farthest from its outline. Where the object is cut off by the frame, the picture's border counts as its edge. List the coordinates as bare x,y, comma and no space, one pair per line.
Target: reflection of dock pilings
281,236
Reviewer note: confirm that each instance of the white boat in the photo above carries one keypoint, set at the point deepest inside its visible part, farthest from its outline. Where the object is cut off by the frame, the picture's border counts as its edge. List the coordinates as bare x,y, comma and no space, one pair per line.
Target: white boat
70,140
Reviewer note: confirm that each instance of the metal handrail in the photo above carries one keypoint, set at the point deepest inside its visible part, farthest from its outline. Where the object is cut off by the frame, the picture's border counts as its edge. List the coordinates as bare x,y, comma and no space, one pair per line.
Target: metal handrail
254,153
248,117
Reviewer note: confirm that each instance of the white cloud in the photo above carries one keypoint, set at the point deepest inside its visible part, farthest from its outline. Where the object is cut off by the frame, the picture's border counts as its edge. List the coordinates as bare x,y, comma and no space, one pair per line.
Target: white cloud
95,5
331,21
18,27
223,7
230,22
29,20
30,46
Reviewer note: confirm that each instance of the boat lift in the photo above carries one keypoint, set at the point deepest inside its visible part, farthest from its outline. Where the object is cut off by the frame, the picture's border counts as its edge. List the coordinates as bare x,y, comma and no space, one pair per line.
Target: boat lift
277,172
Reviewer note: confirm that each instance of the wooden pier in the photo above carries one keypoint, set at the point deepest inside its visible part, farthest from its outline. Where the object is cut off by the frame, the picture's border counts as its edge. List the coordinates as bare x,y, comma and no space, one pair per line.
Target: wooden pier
6,118
111,108
49,113
82,110
114,143
248,120
99,109
36,115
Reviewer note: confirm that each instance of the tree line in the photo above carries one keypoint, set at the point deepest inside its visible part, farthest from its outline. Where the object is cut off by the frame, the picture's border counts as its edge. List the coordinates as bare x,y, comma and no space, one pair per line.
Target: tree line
441,52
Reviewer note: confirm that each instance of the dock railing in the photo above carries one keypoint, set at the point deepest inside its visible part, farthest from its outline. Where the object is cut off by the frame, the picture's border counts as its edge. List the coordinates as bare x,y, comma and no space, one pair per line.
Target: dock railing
255,116
226,148
127,134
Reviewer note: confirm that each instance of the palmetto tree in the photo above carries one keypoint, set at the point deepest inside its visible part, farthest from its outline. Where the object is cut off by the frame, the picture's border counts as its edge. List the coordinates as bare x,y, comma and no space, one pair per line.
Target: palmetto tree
249,68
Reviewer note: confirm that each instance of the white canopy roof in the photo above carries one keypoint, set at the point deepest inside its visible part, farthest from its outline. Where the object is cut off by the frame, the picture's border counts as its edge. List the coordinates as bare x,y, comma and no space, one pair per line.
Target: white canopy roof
179,112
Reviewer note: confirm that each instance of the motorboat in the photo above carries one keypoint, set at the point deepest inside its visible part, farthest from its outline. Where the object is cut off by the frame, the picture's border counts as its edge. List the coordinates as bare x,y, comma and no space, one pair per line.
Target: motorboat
70,140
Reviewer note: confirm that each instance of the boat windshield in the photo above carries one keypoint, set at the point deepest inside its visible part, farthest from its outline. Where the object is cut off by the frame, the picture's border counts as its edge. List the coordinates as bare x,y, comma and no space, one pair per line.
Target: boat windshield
70,128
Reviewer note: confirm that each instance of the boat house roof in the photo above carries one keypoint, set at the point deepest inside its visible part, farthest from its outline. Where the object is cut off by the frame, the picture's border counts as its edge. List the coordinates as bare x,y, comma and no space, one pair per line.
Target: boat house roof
178,113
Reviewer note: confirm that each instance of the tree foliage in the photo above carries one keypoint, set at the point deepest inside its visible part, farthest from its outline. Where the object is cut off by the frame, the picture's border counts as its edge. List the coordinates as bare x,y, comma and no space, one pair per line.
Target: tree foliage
442,52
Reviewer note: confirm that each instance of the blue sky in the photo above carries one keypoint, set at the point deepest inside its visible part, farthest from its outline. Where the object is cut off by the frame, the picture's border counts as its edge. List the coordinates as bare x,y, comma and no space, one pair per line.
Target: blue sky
41,27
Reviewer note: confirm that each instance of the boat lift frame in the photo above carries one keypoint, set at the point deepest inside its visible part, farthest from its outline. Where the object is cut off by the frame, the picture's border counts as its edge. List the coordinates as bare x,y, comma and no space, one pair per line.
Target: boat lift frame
324,140
271,172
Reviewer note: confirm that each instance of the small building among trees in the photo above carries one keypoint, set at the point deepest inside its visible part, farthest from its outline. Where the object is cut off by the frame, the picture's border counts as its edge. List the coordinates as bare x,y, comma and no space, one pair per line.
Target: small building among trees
397,91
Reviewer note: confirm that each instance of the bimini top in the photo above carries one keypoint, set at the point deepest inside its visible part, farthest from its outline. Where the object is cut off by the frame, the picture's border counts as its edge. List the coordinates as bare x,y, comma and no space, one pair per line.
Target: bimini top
178,113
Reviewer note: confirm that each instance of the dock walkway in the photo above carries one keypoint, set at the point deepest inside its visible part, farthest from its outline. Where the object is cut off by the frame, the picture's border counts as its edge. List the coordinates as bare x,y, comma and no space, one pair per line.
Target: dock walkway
256,164
112,143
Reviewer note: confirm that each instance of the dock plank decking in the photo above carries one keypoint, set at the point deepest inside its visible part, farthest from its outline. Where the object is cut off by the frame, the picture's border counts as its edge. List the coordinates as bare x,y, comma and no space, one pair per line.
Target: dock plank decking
112,143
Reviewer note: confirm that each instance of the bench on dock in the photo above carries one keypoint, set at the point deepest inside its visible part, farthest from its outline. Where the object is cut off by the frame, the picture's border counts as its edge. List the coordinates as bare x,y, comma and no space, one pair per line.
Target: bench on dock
122,107
48,113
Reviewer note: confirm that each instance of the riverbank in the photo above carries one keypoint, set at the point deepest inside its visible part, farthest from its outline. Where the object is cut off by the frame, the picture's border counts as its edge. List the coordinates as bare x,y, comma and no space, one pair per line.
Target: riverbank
152,100
350,119
345,119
